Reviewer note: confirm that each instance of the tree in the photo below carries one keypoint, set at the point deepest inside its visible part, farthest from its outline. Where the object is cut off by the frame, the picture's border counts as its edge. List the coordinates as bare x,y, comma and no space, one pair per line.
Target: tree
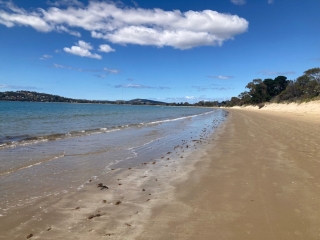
245,98
281,84
234,101
313,73
258,91
276,86
271,88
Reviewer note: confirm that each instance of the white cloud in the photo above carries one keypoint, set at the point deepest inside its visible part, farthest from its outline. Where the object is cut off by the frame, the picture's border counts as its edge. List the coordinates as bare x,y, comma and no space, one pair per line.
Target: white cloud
221,77
55,65
82,50
139,86
270,1
239,2
153,27
113,71
106,48
84,45
17,16
190,97
71,32
45,57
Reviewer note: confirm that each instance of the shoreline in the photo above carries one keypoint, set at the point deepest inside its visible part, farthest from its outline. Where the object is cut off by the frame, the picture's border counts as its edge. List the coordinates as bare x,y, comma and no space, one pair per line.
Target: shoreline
123,207
259,181
255,177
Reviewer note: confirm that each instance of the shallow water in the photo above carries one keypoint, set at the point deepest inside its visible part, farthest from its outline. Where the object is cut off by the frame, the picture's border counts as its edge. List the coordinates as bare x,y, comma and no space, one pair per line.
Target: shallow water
31,122
36,170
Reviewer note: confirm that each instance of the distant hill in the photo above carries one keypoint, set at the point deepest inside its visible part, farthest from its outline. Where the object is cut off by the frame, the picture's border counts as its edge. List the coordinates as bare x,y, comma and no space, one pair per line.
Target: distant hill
28,96
144,102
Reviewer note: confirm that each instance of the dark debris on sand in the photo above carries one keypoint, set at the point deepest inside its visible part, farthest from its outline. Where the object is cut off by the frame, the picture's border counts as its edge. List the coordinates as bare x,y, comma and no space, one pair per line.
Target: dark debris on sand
30,236
101,186
94,215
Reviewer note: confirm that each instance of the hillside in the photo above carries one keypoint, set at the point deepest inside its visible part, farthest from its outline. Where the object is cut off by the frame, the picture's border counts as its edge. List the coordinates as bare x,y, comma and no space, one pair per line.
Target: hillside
27,96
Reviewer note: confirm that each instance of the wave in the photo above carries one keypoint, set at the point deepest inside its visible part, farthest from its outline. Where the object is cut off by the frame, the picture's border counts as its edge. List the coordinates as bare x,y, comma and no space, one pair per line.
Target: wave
30,140
34,164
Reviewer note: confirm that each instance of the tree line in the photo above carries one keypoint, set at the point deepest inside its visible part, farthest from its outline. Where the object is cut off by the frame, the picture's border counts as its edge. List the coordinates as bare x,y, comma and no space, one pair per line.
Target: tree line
280,89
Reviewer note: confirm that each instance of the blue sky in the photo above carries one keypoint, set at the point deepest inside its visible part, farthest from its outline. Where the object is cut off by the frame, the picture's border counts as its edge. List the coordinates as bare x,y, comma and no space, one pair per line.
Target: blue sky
172,51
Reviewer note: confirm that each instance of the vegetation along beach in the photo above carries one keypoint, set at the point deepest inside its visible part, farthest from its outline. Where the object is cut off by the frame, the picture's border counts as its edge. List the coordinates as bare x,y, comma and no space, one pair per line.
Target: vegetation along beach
159,120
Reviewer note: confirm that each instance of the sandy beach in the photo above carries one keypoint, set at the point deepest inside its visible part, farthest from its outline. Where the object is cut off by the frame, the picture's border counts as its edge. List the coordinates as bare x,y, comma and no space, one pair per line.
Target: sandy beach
117,192
259,180
256,177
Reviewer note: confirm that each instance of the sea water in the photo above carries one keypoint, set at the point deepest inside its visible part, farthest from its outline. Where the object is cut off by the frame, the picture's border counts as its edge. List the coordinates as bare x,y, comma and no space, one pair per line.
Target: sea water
47,149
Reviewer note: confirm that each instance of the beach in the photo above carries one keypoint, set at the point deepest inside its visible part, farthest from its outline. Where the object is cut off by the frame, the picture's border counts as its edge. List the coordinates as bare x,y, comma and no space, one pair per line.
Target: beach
259,180
102,180
254,175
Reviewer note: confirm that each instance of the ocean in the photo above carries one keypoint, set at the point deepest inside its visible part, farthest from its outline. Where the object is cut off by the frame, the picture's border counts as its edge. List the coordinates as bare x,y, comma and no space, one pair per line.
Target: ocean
54,149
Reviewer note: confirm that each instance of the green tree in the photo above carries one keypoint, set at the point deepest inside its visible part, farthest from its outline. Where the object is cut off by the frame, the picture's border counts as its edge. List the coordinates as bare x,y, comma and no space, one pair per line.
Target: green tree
257,91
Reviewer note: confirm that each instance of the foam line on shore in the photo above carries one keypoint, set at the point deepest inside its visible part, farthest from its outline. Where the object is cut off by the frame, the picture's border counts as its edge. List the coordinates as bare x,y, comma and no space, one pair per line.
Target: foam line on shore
30,140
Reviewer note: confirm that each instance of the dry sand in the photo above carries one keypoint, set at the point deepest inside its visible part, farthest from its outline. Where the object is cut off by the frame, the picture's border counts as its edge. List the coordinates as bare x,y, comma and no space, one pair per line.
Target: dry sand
308,108
259,180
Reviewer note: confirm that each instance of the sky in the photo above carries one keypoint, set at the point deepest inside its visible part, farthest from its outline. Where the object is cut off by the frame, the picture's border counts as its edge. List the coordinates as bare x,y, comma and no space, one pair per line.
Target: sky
171,51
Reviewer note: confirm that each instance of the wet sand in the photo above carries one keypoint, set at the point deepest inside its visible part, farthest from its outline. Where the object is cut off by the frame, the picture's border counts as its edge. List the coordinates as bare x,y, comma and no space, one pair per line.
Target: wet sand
118,204
259,179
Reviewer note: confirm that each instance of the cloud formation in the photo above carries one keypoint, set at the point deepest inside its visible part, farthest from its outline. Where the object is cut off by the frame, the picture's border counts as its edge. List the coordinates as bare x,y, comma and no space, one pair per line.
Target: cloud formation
82,49
106,48
270,1
59,66
221,77
18,87
45,57
205,88
139,86
126,25
112,71
66,30
190,99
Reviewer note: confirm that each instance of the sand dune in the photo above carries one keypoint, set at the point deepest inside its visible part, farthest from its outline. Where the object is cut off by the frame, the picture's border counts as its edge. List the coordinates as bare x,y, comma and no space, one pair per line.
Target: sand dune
310,108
